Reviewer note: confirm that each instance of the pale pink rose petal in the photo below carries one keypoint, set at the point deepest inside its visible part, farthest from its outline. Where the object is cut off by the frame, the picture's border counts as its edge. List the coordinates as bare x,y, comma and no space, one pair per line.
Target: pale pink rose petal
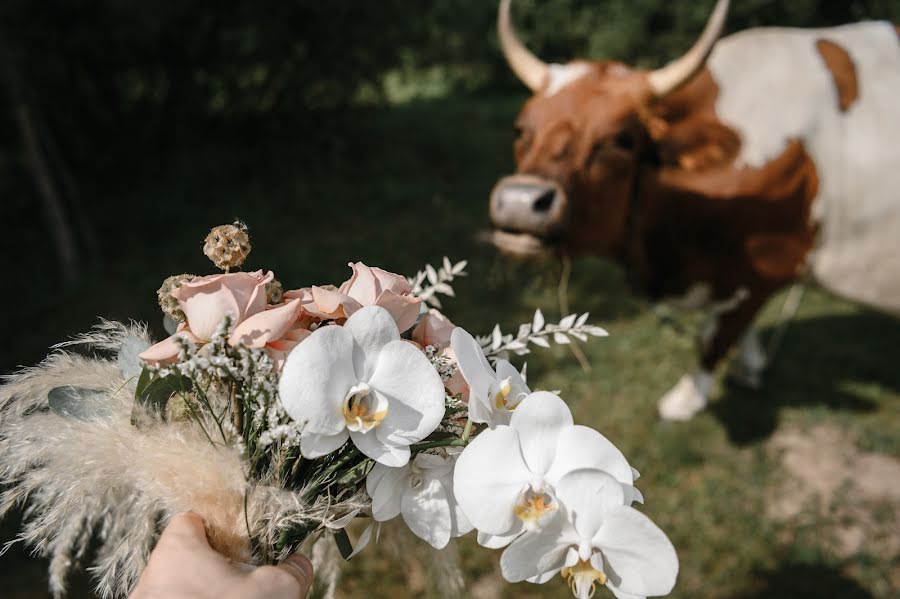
330,303
205,306
267,326
166,351
304,295
391,281
434,330
456,384
362,285
257,301
404,308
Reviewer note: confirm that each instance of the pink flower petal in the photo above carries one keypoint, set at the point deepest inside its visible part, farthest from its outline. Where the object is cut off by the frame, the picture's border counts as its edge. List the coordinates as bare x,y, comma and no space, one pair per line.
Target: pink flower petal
434,330
404,308
267,326
166,351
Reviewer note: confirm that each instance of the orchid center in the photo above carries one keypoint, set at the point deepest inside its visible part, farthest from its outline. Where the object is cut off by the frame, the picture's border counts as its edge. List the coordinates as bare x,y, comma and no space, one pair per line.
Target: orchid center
363,410
533,506
503,398
583,579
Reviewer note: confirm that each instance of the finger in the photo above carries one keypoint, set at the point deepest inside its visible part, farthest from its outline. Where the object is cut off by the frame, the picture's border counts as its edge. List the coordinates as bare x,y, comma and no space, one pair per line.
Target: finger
300,568
186,527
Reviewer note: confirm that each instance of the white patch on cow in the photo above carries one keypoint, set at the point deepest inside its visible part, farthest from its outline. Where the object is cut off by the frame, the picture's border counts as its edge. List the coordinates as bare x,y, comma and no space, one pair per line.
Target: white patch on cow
775,87
561,75
747,368
688,397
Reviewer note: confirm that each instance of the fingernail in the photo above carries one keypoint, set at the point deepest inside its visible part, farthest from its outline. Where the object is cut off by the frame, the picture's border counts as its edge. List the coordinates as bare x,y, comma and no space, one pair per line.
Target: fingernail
303,563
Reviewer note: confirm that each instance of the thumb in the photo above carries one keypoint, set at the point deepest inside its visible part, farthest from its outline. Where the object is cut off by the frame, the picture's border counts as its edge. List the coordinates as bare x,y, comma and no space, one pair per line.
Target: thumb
300,568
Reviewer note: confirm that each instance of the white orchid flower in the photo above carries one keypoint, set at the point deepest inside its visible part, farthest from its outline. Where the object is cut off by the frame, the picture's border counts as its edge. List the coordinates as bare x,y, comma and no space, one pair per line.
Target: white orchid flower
493,395
363,382
422,492
595,539
506,478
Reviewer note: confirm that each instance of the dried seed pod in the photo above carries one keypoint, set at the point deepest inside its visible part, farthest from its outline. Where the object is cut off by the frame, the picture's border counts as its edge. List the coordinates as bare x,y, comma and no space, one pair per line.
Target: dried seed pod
168,304
274,292
228,245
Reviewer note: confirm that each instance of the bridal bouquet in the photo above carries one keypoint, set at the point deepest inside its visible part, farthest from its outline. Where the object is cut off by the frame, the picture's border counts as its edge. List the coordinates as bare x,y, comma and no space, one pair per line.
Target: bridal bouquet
283,416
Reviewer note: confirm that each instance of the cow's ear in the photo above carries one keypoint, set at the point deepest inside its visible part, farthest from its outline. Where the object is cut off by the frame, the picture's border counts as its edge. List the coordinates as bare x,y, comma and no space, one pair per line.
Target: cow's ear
697,146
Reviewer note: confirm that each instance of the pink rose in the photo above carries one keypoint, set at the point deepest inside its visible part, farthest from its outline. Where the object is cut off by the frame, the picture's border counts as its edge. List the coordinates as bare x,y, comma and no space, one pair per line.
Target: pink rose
207,301
434,329
366,287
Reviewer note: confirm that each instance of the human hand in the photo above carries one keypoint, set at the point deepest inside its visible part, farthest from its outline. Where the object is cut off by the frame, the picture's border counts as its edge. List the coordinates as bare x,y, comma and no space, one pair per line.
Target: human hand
183,566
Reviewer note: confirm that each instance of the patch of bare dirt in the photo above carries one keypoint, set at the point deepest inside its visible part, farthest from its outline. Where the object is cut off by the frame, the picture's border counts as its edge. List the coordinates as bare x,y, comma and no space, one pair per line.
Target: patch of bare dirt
850,497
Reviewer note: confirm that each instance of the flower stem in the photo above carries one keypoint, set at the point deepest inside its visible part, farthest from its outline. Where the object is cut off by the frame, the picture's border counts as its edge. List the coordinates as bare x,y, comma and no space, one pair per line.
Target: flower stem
467,431
451,442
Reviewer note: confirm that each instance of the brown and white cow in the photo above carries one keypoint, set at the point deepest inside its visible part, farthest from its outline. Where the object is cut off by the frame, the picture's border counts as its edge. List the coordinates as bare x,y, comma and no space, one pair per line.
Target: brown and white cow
718,178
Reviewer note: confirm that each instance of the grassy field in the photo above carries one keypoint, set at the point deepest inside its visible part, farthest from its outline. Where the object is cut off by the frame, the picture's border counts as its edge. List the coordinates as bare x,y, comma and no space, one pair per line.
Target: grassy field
409,186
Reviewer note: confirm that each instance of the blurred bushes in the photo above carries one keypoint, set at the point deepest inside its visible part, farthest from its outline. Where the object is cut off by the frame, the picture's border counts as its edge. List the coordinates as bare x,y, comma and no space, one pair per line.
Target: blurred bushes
104,75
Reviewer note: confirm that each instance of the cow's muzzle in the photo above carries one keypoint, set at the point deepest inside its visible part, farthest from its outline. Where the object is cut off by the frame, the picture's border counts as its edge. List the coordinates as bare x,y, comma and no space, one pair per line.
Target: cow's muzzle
529,214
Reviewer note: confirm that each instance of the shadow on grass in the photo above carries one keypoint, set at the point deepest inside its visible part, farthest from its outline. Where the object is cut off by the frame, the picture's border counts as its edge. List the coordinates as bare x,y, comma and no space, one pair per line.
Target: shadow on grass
806,581
840,362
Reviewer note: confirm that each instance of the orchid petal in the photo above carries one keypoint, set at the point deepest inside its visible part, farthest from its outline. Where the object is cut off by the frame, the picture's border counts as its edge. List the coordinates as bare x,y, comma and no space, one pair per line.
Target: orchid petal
413,389
588,495
372,329
427,513
267,326
315,379
582,447
539,420
536,552
518,388
639,553
385,486
489,477
382,452
498,541
476,370
315,446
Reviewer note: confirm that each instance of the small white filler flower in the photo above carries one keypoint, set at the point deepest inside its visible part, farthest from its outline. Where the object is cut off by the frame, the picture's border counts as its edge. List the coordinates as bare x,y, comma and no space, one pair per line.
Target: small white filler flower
362,381
595,539
493,395
506,478
422,492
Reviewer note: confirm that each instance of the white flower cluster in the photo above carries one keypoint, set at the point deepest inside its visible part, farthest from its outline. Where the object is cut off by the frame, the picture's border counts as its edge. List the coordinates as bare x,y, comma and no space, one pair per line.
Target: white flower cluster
555,495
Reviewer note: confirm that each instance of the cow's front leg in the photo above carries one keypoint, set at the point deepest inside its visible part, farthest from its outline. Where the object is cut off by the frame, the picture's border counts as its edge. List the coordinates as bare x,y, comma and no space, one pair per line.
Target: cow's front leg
691,394
747,367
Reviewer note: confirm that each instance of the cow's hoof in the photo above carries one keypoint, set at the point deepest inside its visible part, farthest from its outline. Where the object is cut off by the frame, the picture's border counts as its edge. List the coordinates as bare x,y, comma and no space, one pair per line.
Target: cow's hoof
686,398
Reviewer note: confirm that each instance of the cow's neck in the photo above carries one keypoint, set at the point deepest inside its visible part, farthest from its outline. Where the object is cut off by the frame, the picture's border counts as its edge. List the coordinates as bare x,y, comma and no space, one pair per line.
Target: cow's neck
694,212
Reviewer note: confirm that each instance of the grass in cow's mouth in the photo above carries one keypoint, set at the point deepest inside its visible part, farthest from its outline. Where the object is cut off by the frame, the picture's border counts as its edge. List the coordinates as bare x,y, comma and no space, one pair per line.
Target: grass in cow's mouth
709,482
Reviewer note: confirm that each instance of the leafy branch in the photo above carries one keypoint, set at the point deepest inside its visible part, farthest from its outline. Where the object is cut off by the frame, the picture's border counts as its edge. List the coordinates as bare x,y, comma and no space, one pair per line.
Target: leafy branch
539,333
428,283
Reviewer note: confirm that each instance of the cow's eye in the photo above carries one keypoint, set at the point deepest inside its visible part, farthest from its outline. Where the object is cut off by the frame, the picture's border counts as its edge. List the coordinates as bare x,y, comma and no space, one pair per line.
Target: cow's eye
624,140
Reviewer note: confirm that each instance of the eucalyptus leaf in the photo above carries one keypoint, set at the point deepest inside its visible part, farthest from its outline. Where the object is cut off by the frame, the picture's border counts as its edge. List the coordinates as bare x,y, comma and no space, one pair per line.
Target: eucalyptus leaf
343,543
153,394
130,365
78,403
169,324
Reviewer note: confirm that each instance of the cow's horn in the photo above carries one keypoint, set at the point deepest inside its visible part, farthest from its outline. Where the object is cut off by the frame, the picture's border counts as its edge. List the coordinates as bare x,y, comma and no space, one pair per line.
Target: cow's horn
678,72
527,67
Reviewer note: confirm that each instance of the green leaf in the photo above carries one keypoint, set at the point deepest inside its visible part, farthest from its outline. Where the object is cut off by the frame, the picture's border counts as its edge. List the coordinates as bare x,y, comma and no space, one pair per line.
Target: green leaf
78,403
153,394
343,543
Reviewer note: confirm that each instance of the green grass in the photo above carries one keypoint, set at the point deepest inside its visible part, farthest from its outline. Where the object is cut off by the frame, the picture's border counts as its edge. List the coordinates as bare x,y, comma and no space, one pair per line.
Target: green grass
410,186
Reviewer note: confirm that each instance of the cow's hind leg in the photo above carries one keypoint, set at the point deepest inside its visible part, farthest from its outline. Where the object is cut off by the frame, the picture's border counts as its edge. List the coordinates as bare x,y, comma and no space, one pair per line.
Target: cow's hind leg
691,394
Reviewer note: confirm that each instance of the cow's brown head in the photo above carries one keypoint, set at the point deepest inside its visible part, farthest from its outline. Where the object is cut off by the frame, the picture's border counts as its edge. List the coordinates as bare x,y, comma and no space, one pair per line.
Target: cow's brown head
580,141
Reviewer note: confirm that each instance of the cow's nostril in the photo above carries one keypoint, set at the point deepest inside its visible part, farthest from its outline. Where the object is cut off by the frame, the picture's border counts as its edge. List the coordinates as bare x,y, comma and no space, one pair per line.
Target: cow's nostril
544,201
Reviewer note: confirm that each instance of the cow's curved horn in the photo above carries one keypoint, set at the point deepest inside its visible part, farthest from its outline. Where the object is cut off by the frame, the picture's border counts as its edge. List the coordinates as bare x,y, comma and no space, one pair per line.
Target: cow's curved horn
680,71
527,67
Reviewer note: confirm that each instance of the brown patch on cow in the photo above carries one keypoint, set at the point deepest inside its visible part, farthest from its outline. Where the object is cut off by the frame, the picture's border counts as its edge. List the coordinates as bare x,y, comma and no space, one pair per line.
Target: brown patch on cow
843,72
